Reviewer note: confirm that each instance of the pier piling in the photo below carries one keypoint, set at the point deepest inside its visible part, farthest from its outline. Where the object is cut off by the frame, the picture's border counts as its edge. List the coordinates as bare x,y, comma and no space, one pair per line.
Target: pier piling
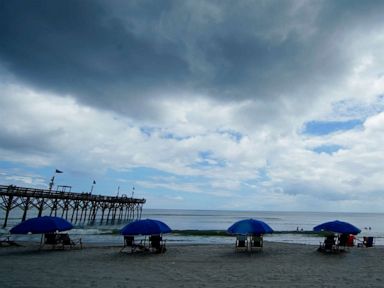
61,202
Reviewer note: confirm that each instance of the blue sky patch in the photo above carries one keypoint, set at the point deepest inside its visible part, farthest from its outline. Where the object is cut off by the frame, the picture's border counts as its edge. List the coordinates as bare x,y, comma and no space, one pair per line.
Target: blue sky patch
328,127
329,149
208,160
263,174
173,136
236,136
147,130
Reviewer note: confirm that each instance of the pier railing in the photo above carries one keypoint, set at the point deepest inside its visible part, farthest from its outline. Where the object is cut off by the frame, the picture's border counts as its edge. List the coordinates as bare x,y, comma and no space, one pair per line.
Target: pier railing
75,207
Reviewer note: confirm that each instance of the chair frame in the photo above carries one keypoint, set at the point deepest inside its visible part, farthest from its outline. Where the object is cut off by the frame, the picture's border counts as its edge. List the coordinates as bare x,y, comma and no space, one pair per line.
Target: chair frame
129,241
157,244
6,241
367,242
257,241
59,241
328,245
241,242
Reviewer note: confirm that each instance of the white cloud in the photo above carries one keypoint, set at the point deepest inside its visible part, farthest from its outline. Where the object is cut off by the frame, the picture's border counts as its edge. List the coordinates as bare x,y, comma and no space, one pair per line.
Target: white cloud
80,136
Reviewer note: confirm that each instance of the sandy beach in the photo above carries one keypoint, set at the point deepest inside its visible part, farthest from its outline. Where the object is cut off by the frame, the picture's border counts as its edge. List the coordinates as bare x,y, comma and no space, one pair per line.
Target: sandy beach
277,265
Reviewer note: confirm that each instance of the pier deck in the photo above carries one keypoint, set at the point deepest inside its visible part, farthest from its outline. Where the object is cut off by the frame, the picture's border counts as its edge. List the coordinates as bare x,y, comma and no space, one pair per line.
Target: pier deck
75,207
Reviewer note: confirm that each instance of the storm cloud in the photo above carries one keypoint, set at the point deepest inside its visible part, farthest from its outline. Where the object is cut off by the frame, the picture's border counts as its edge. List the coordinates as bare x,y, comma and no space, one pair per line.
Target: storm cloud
128,55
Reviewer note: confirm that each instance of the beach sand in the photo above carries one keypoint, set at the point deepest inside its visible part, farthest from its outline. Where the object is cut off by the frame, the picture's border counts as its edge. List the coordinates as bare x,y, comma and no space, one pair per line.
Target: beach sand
277,265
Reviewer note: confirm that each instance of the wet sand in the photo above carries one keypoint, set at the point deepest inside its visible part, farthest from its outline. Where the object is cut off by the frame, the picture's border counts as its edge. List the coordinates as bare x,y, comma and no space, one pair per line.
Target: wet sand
277,265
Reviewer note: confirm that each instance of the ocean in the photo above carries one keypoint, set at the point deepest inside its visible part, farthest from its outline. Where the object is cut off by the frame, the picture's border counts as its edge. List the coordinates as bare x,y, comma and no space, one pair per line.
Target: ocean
291,227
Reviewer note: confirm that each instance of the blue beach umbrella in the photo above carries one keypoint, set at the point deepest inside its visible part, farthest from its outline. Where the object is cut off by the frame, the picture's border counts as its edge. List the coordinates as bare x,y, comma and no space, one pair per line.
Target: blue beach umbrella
249,227
41,225
145,227
337,227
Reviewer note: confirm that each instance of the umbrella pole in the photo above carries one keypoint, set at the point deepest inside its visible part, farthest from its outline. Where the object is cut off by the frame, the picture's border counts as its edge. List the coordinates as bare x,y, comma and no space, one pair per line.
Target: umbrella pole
41,241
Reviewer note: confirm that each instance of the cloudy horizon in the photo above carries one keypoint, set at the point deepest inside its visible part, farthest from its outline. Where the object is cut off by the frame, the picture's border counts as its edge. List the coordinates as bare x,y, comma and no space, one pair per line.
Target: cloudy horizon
247,105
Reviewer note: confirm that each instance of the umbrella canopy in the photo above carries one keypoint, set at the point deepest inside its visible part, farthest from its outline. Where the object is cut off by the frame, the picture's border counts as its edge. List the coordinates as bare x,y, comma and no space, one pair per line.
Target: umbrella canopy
337,227
145,227
250,226
40,225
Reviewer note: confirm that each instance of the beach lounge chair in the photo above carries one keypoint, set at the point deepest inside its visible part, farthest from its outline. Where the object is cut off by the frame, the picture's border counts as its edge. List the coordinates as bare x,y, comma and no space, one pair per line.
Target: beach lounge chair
342,242
241,242
130,243
329,244
6,241
60,241
367,242
50,239
65,240
257,241
157,244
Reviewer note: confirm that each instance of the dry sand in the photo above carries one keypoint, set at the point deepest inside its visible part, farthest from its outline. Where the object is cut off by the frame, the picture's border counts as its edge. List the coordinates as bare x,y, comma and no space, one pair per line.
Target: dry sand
278,265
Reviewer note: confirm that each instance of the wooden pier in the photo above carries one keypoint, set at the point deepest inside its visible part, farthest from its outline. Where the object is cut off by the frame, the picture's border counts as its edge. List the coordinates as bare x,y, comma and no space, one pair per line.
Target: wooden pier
74,207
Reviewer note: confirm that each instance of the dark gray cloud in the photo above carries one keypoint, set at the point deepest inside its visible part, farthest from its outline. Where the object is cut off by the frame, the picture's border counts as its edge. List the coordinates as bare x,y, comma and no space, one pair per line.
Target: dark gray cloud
74,47
32,141
122,55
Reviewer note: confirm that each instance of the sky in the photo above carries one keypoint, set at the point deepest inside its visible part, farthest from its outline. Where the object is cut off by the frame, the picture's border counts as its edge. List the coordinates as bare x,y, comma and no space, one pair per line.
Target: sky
227,105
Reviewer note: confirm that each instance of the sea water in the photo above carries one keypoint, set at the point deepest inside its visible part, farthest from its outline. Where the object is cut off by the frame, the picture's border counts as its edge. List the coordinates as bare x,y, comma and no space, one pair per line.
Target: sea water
291,226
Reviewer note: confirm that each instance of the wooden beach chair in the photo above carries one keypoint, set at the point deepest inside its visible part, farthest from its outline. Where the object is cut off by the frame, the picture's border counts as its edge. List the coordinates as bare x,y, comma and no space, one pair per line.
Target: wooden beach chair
130,243
257,241
49,239
329,245
60,241
367,242
157,244
6,241
65,240
342,242
241,242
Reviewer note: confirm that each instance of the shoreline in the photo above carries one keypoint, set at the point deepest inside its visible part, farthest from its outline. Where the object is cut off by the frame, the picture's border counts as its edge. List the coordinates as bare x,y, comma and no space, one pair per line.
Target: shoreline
86,245
189,239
